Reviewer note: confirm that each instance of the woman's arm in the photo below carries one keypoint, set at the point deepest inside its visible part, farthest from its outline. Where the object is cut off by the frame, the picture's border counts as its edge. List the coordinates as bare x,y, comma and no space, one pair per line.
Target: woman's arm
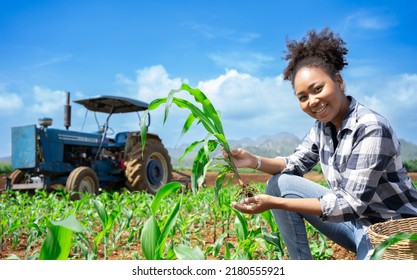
263,202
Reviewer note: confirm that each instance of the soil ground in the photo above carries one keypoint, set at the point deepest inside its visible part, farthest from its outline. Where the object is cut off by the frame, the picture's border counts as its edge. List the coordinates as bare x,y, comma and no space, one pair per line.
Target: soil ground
339,252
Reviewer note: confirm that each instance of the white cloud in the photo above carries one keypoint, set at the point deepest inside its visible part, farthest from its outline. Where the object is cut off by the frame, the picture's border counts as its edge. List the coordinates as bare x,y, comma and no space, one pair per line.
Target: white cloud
371,20
211,33
406,85
248,37
9,102
363,69
47,101
53,59
394,98
243,61
150,83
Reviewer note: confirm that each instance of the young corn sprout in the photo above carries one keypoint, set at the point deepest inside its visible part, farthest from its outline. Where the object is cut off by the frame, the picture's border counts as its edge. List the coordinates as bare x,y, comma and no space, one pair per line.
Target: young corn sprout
203,112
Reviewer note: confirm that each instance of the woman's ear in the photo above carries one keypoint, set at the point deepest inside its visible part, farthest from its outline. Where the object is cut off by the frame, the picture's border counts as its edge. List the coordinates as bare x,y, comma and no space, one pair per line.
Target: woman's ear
340,82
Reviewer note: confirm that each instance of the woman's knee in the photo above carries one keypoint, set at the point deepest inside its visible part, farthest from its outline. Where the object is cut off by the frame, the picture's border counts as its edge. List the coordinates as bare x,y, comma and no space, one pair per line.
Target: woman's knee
289,185
276,184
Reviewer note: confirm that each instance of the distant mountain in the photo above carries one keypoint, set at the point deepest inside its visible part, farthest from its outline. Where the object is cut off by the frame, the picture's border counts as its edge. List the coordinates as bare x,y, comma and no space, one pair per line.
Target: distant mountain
281,144
408,150
268,145
5,159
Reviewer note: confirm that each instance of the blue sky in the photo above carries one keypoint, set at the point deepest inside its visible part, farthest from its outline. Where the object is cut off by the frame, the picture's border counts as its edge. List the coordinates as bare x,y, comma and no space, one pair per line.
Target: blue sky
232,50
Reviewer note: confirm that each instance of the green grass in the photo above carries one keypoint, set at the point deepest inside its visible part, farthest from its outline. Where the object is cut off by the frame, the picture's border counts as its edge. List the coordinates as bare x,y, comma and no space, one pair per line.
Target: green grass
5,167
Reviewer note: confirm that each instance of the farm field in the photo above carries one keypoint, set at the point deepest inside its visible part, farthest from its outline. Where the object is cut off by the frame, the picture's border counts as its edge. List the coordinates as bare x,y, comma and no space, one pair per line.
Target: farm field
212,228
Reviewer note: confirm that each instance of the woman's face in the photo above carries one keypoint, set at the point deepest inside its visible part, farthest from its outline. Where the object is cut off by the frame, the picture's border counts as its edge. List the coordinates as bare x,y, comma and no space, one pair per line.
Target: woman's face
320,96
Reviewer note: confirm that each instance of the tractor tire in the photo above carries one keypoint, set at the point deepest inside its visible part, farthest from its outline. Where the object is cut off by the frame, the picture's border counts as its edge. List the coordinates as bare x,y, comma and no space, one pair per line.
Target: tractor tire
80,181
152,171
17,177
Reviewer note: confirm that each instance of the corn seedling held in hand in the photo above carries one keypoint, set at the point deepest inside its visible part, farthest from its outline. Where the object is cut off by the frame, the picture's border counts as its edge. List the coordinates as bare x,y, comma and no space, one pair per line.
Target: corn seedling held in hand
209,117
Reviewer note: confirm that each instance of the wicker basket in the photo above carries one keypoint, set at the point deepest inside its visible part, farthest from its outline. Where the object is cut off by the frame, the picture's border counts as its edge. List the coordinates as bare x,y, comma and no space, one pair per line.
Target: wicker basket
402,250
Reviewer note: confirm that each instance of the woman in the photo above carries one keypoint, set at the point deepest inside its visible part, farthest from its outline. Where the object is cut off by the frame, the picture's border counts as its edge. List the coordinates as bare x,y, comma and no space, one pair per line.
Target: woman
356,147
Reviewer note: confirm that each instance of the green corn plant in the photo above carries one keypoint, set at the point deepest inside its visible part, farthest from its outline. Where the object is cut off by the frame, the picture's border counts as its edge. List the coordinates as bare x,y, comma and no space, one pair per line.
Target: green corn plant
218,244
241,226
107,223
273,237
57,244
153,238
247,239
207,116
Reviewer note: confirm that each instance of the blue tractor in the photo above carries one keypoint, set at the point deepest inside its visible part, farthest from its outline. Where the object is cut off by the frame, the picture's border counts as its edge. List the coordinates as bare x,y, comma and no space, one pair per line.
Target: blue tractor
45,158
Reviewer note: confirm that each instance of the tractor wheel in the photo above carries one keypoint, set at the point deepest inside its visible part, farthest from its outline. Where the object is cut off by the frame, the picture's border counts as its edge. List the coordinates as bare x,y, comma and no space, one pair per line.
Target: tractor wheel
152,171
82,180
17,177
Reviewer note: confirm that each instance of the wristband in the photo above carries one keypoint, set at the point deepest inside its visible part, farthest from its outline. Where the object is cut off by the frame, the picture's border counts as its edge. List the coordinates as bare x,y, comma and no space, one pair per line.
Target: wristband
258,166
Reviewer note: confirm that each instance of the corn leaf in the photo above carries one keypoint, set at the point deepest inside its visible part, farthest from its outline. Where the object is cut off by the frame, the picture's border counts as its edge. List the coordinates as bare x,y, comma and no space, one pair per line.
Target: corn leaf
149,238
184,104
267,216
188,123
190,148
170,223
156,103
219,243
163,192
106,227
241,226
57,244
129,215
274,238
391,240
201,163
144,129
208,107
98,205
198,114
168,103
186,253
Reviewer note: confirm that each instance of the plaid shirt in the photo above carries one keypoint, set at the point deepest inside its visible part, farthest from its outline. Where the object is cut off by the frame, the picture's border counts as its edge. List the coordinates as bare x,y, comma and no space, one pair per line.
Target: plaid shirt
362,165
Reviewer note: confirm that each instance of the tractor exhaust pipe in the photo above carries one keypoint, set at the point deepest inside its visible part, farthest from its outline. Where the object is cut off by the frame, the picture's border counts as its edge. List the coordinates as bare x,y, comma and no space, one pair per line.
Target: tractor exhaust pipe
67,112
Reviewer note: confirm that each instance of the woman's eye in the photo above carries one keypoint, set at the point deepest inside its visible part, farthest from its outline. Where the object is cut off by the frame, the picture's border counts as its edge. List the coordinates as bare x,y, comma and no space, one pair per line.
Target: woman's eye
302,98
318,89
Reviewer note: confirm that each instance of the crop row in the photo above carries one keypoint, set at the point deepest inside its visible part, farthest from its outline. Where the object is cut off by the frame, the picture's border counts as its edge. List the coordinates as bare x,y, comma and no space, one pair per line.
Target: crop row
136,225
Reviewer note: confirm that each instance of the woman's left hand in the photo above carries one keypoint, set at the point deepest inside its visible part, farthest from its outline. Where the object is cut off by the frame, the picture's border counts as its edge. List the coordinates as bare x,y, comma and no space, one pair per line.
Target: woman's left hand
254,205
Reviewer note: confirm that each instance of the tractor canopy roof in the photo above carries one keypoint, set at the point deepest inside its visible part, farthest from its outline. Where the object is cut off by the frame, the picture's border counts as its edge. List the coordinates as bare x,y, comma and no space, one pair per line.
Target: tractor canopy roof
113,104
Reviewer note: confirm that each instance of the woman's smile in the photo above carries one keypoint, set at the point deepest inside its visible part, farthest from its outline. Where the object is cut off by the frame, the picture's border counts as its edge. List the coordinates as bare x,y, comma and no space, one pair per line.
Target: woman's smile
320,109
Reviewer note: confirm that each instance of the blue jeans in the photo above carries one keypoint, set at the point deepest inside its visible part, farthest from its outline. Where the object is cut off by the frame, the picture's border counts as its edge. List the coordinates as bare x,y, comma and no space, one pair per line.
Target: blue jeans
350,235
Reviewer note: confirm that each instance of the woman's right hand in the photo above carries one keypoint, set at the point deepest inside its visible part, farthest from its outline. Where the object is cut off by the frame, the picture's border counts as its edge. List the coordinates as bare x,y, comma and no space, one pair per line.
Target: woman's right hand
242,158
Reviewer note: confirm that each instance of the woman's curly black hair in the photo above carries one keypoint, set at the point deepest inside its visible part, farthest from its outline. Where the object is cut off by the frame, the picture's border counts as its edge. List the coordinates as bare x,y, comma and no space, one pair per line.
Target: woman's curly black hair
325,50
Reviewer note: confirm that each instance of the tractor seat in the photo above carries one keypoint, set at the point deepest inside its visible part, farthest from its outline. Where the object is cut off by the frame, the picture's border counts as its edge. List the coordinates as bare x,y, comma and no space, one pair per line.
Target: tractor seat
120,138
